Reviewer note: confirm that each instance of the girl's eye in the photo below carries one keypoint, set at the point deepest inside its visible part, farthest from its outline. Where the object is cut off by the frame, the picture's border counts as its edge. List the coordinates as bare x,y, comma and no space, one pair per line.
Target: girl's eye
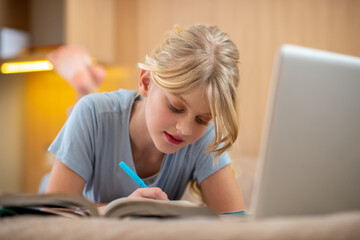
174,109
202,121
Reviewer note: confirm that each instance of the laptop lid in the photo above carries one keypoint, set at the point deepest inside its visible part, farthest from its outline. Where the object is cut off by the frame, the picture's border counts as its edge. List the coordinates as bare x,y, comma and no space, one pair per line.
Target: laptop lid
309,160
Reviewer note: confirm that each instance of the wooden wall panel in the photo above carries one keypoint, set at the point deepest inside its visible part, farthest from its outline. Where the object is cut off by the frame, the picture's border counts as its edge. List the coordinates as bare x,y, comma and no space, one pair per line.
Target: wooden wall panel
15,14
91,23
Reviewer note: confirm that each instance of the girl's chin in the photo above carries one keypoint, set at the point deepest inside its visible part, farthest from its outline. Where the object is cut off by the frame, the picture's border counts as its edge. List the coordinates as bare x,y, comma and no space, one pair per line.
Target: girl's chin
168,148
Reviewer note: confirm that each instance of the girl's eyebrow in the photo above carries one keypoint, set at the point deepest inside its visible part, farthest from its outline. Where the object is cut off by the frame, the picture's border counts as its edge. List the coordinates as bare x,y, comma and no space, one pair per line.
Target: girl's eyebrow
187,104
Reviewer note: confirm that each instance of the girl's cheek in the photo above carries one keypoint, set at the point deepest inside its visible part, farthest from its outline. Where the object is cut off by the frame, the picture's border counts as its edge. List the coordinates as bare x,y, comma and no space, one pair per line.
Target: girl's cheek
198,132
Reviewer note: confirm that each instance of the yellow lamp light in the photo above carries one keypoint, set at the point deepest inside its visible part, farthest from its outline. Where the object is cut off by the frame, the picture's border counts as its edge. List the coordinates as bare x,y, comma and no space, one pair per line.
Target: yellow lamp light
26,66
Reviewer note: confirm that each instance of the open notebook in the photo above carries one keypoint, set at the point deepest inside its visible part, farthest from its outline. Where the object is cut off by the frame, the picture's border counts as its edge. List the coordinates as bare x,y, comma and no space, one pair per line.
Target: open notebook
310,154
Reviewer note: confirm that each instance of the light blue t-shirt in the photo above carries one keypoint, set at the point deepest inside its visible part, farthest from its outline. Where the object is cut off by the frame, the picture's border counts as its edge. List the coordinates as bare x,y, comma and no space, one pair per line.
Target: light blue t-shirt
95,138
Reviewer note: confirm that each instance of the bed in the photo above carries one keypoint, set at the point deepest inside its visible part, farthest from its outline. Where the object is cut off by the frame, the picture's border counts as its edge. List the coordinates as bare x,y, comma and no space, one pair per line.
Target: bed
342,225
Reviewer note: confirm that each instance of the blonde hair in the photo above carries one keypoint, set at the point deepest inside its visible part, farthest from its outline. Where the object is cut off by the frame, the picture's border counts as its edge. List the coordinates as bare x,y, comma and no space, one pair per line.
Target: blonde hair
201,56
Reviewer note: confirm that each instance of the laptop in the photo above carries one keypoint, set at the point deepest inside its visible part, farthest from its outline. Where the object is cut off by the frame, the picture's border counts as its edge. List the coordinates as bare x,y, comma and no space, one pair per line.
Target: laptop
309,161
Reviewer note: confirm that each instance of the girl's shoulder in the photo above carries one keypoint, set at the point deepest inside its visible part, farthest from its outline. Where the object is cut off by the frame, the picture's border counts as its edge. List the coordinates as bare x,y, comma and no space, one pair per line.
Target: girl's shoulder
109,101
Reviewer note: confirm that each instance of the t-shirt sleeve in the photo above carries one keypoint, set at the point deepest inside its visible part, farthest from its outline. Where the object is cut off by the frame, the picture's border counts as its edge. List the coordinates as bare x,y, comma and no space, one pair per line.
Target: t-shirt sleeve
74,145
205,165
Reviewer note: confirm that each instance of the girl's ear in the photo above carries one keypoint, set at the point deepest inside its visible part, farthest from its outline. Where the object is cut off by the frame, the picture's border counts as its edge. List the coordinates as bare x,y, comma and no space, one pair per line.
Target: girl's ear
144,82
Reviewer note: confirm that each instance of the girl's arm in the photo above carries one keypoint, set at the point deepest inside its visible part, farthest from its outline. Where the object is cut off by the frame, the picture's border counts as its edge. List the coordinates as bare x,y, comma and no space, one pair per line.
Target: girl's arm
64,180
221,191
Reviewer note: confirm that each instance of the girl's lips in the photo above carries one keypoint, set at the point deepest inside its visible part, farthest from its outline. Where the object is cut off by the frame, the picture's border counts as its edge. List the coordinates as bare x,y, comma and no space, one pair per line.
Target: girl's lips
173,139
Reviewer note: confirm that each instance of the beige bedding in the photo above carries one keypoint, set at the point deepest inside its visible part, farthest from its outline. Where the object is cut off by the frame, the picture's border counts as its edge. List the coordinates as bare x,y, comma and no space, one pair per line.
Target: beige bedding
333,226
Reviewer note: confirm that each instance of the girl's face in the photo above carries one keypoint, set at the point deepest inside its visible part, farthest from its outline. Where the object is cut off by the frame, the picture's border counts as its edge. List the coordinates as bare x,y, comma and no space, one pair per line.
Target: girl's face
175,121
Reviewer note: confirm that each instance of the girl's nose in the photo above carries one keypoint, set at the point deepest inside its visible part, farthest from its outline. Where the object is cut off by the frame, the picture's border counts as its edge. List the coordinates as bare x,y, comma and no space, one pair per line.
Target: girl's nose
184,126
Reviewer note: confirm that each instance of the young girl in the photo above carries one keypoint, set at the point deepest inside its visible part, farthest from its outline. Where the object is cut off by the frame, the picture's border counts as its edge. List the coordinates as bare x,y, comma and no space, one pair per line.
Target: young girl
176,129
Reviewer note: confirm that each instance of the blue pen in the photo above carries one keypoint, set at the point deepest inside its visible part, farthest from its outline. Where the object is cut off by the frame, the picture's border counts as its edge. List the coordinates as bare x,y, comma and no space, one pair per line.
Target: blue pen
133,175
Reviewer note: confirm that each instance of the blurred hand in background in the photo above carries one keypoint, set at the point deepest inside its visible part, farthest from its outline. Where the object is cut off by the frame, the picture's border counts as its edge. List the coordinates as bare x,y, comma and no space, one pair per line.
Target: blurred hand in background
75,65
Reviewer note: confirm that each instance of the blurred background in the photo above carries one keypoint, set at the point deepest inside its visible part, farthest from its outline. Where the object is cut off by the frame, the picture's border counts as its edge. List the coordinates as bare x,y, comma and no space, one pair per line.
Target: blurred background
119,33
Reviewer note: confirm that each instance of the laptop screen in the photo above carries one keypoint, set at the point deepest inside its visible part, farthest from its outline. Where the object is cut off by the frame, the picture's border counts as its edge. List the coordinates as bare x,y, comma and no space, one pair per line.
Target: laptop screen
309,160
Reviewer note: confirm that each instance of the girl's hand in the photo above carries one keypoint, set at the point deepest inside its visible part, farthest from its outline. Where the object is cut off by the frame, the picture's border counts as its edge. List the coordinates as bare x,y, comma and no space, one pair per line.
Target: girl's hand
153,192
101,208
